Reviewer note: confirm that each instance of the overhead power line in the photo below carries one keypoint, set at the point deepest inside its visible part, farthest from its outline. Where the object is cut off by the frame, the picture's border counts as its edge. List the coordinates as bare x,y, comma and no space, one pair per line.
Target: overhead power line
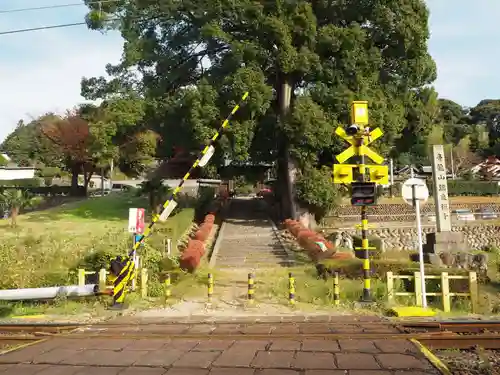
46,7
17,31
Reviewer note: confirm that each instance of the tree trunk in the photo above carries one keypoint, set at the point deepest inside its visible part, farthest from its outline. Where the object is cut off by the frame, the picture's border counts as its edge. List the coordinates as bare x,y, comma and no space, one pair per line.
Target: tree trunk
14,212
288,209
75,170
86,179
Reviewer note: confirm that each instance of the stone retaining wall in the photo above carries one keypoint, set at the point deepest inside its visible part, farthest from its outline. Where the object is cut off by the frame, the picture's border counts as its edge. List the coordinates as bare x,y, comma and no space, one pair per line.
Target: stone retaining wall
478,237
406,209
400,211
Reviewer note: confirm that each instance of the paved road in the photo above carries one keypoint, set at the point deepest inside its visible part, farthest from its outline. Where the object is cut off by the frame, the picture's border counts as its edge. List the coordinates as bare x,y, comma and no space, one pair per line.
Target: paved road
194,349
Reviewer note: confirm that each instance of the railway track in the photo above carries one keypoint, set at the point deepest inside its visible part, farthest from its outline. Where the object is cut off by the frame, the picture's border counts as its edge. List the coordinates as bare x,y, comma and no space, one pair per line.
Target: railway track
434,335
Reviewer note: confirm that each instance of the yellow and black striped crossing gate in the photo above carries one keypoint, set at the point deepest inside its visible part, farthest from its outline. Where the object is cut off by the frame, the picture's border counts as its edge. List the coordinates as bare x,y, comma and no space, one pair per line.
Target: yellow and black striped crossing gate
126,274
362,177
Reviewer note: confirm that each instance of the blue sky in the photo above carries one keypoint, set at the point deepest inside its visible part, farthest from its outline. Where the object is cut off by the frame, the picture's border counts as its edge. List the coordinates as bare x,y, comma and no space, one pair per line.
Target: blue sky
41,71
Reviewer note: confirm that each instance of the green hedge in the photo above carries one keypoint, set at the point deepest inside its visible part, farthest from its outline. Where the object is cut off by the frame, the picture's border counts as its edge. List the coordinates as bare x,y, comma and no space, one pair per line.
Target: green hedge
468,188
47,190
27,182
471,188
459,188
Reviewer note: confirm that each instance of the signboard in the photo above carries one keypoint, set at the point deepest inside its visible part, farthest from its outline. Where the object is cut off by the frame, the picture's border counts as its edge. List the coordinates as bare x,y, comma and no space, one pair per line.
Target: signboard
136,220
440,183
421,190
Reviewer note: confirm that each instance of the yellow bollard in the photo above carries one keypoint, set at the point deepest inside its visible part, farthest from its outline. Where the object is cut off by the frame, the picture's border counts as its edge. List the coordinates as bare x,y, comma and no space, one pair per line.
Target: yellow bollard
336,289
291,289
210,287
251,288
167,287
81,277
144,283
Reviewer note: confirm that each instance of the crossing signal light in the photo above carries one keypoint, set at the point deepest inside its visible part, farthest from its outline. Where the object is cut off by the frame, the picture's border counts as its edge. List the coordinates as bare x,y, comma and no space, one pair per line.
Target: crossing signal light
363,193
352,130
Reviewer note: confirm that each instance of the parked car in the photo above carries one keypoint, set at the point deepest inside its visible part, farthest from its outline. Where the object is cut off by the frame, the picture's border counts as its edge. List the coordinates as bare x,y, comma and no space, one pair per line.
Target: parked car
465,214
487,213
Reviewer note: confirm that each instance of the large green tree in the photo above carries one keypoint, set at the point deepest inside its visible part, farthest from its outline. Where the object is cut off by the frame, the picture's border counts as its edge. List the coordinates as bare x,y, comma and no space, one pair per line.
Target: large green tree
486,116
302,62
27,146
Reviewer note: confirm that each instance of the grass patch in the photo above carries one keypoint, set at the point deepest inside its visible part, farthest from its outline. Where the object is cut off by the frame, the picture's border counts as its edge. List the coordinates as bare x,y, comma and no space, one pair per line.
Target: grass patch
46,247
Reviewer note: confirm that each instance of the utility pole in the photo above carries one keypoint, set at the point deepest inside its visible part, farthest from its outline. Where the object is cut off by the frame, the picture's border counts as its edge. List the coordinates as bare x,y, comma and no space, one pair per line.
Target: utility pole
102,181
452,163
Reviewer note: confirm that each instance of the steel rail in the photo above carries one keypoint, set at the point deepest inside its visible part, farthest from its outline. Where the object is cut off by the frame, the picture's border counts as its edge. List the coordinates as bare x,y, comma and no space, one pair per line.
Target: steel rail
422,327
432,341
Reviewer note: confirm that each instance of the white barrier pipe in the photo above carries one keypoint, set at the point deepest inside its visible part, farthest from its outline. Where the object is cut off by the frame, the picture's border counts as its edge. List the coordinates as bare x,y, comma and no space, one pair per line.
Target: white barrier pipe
48,293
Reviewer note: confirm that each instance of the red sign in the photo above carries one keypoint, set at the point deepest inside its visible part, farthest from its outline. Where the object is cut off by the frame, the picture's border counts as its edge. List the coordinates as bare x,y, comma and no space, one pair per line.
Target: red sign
139,221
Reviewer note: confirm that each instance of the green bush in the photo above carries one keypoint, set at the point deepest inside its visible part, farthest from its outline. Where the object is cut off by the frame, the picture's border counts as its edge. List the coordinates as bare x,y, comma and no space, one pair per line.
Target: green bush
467,188
244,190
28,182
458,188
372,242
206,196
96,260
47,190
316,191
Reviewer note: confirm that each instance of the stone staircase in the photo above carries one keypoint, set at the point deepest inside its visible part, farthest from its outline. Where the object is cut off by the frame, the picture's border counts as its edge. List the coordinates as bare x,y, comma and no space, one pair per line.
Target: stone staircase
248,239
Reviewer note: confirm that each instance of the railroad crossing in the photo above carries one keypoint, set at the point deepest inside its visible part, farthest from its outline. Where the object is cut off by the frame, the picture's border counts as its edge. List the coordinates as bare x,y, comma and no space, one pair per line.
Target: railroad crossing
299,345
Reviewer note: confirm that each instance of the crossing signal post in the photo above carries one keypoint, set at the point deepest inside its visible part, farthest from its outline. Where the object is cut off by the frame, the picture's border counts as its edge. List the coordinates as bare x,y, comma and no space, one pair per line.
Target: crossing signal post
363,178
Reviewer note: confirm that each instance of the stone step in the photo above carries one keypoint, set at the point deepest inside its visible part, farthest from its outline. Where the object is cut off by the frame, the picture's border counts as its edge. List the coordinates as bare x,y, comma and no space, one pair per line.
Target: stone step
281,255
250,247
249,240
255,265
256,250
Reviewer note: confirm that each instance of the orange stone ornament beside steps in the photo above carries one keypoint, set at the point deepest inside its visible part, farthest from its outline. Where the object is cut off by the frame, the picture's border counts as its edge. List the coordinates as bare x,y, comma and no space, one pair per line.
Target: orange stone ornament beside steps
317,247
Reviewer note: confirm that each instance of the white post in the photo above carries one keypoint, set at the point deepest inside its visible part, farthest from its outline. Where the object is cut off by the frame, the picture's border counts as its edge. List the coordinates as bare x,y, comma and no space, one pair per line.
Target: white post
411,171
416,203
169,246
111,166
452,163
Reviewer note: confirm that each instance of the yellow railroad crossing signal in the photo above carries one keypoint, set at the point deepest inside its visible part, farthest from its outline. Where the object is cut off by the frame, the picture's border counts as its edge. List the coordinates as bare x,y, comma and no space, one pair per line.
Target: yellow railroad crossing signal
343,173
379,174
359,112
359,150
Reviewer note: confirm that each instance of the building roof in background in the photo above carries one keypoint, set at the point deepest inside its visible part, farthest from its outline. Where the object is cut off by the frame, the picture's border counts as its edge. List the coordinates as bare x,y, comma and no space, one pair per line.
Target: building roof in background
490,165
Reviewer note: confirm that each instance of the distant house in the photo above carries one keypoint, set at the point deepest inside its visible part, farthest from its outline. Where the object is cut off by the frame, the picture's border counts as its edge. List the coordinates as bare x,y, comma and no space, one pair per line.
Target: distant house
12,171
490,166
421,171
96,182
175,167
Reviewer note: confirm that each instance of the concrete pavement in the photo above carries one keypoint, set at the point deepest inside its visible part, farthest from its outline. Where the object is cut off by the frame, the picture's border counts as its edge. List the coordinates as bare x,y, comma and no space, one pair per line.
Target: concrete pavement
195,349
